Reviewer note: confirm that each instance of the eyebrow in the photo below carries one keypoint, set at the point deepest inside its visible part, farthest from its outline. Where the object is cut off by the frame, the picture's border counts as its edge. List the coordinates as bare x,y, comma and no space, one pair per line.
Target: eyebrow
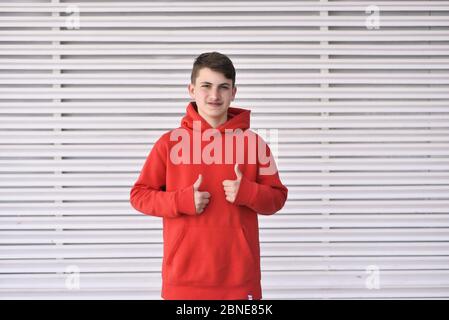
221,84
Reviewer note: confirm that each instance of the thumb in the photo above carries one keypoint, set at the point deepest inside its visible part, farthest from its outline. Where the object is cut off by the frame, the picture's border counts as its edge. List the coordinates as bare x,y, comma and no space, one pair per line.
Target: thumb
238,173
197,183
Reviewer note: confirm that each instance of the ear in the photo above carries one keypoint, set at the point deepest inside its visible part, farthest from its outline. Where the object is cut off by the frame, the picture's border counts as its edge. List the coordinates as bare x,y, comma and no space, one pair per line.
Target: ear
191,89
234,91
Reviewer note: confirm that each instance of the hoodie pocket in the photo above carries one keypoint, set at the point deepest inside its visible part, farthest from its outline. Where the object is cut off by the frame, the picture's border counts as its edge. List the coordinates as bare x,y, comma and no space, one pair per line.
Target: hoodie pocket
210,257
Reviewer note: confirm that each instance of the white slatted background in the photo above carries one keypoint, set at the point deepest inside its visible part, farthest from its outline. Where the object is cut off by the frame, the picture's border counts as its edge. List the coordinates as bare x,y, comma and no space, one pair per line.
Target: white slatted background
363,119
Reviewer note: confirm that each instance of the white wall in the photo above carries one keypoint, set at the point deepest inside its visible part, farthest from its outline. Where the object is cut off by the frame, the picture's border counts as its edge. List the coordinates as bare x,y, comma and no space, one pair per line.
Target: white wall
362,116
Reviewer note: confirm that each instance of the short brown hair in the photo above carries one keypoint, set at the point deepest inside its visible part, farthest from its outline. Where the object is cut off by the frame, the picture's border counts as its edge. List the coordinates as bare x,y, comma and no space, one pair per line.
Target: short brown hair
215,61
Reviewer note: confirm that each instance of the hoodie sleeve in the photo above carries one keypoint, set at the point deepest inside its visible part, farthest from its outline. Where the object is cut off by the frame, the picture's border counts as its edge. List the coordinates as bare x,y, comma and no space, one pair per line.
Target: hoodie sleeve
148,194
267,194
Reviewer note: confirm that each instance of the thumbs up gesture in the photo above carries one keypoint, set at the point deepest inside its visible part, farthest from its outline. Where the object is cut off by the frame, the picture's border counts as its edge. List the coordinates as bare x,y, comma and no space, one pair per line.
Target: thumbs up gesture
201,198
231,187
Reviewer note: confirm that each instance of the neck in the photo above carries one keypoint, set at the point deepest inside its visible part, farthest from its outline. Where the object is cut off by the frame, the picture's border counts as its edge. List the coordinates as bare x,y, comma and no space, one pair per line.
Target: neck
214,122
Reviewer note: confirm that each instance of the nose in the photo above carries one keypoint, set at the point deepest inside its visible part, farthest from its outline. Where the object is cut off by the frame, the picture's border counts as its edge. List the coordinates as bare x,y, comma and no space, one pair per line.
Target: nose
214,95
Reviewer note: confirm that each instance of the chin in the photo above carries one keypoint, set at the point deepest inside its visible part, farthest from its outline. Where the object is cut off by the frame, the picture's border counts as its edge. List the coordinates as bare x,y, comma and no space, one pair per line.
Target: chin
209,108
216,113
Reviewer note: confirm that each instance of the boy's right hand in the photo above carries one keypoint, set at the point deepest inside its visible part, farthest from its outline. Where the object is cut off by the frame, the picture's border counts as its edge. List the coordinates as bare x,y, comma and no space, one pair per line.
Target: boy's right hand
201,198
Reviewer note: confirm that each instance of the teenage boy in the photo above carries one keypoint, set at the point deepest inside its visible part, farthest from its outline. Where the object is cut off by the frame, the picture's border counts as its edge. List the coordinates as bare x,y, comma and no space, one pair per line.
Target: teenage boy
209,179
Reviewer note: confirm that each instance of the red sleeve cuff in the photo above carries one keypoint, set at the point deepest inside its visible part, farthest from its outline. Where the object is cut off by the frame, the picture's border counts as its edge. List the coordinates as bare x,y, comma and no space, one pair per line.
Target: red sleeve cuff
247,190
185,201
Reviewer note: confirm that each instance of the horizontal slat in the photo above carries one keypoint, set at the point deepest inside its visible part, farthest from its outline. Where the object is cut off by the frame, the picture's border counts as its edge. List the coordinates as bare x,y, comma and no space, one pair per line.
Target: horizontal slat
384,191
270,294
283,164
104,281
409,106
353,263
292,178
351,221
25,225
230,6
300,64
224,35
267,249
358,294
337,93
284,150
88,294
306,279
268,264
148,137
192,49
367,206
290,106
221,20
259,121
87,265
176,80
107,208
180,63
118,181
155,236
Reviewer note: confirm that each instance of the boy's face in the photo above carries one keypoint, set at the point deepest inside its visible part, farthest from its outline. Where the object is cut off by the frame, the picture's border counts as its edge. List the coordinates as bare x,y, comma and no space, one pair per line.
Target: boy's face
213,94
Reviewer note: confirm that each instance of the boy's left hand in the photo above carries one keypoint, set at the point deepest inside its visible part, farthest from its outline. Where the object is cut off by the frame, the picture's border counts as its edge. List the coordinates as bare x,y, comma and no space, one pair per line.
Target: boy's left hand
231,187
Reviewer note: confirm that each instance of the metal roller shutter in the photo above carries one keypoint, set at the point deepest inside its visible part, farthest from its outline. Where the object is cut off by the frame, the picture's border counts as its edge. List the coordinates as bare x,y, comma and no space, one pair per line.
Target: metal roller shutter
358,94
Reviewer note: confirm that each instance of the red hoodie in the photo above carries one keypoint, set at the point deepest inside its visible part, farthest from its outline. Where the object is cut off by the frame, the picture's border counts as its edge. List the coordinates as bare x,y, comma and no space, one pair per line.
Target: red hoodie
215,254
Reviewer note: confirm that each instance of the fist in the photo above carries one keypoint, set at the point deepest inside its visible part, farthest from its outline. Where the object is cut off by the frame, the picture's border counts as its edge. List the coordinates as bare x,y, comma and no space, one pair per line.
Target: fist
201,198
231,187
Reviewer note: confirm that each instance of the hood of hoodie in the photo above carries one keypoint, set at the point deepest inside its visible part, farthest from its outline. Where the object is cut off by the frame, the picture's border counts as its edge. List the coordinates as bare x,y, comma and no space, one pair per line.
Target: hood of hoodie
237,119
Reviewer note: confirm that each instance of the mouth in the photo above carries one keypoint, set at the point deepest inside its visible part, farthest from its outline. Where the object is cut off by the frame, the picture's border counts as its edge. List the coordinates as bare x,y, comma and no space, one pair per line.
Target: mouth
215,104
